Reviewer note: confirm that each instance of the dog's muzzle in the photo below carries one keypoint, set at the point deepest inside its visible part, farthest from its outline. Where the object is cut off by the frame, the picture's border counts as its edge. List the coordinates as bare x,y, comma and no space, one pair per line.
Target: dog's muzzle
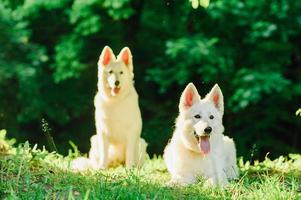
198,137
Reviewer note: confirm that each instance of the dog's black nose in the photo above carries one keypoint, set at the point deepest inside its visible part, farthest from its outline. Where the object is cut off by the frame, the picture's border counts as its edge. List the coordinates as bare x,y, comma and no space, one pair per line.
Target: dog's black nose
117,83
208,130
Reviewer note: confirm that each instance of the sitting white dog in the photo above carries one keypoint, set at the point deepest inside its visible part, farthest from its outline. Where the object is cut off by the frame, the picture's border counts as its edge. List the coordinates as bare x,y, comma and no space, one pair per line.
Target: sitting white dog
198,146
117,116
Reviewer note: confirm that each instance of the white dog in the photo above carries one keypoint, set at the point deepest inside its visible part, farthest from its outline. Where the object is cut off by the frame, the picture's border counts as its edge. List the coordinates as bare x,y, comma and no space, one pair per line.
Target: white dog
198,146
117,115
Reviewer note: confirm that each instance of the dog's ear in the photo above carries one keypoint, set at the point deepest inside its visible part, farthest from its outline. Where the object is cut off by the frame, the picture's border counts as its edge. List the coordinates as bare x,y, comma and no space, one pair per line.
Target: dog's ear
126,57
189,97
106,56
216,97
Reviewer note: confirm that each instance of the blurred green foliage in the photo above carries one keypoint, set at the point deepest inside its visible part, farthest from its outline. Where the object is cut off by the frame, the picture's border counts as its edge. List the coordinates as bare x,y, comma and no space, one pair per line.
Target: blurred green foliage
49,50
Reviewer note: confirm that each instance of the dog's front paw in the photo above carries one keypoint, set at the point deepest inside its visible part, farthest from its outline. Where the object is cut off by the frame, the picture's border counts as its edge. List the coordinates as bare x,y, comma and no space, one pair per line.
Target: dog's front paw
181,181
172,183
177,182
211,182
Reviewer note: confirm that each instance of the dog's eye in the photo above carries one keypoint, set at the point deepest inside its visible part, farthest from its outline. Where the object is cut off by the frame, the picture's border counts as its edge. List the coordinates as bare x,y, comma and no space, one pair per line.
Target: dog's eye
211,117
197,116
121,72
111,71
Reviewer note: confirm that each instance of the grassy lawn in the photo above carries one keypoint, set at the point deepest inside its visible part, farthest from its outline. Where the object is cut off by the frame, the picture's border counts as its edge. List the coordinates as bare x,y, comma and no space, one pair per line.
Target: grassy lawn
30,173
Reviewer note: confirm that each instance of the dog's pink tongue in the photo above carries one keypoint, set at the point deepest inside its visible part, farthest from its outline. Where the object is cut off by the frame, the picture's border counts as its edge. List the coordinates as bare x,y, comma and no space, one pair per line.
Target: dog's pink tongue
204,144
116,90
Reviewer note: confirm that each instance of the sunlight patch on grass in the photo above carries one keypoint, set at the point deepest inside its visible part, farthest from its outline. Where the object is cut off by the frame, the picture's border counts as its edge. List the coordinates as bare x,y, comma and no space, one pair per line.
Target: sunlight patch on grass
28,172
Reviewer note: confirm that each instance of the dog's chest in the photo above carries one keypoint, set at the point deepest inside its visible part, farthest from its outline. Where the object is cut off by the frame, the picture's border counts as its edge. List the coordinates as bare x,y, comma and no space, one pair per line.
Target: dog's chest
196,166
119,119
202,165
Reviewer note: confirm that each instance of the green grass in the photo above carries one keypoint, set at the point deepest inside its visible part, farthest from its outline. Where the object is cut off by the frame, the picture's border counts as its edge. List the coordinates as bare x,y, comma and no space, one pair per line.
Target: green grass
30,173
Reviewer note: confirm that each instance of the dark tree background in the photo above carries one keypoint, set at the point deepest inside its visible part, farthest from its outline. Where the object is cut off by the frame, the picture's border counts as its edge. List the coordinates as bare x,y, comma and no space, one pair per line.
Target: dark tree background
49,50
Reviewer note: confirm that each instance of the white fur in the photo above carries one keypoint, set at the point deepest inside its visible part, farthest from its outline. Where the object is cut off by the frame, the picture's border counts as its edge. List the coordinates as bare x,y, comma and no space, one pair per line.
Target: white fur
184,158
117,116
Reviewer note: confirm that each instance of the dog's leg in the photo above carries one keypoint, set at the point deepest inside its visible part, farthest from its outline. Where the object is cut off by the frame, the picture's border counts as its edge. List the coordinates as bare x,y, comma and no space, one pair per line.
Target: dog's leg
130,157
104,147
220,177
141,153
99,151
230,158
94,155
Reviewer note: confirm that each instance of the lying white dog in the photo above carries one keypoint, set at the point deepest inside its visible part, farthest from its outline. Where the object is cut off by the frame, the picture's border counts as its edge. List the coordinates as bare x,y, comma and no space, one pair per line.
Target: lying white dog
198,146
117,115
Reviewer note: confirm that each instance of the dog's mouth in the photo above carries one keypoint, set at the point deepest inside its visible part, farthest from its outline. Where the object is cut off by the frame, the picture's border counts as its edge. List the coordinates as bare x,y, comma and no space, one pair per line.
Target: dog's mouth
115,90
203,143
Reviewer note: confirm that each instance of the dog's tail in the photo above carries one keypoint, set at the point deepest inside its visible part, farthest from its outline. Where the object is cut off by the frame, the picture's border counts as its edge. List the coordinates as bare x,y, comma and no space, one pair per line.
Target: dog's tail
84,164
141,153
81,164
